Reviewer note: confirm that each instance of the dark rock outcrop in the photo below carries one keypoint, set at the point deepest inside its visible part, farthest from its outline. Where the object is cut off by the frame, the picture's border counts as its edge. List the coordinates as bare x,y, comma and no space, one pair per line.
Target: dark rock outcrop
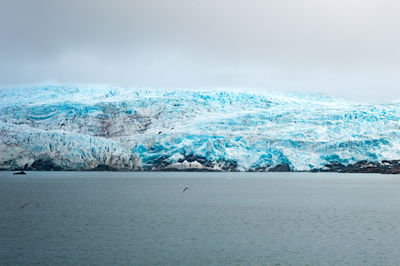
280,168
19,173
44,165
103,167
189,163
271,168
198,163
384,167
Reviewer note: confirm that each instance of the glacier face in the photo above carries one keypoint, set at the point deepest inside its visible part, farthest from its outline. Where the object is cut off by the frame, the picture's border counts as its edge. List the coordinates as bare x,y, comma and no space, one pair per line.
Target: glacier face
87,128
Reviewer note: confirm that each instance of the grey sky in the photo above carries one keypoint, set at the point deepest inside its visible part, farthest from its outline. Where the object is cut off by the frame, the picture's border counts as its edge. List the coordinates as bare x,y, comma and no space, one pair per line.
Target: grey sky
346,48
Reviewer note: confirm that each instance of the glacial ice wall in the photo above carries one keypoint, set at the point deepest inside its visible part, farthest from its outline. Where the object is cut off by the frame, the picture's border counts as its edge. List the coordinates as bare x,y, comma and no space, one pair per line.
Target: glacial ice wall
133,129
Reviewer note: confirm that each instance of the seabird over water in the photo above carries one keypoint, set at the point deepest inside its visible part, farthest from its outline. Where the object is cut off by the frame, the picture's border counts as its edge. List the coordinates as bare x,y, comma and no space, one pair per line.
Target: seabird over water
23,206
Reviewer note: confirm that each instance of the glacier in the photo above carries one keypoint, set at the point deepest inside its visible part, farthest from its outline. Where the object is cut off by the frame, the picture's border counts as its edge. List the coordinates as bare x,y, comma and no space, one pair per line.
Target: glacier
109,128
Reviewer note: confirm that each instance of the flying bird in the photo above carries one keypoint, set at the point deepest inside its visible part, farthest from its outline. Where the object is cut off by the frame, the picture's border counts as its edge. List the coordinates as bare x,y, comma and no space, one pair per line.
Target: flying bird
23,206
186,188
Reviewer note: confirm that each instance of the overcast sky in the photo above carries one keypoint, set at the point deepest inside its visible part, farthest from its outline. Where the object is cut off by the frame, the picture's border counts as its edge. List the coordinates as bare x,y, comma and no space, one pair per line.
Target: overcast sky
348,48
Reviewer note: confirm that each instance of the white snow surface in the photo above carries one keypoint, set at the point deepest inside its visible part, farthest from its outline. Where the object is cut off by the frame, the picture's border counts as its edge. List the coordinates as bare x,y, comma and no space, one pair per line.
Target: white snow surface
124,128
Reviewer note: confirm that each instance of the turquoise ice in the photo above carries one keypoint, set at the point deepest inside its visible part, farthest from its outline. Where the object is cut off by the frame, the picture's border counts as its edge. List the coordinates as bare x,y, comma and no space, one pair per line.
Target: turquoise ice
82,127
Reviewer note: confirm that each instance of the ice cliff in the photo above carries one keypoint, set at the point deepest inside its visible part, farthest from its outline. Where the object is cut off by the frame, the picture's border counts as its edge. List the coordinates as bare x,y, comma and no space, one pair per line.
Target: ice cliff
77,128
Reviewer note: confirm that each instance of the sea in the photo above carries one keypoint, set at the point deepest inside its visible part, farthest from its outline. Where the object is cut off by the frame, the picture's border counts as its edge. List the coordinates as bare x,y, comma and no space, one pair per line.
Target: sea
199,218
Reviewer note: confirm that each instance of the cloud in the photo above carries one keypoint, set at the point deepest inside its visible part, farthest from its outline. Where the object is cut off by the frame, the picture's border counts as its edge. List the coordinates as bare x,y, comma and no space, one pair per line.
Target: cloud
344,48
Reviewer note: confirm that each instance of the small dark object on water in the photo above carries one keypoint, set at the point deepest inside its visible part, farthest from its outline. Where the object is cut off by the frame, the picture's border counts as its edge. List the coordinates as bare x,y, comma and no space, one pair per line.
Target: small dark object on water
26,204
186,188
159,132
19,173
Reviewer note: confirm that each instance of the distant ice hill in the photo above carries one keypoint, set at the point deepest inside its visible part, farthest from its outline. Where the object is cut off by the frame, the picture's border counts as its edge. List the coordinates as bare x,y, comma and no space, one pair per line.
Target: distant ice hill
74,128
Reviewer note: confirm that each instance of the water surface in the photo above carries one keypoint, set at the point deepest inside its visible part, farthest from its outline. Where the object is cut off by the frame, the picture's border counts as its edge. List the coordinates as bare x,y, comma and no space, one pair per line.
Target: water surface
223,218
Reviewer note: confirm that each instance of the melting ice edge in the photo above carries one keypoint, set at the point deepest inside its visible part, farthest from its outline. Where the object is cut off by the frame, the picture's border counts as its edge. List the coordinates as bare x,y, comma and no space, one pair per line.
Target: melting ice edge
81,128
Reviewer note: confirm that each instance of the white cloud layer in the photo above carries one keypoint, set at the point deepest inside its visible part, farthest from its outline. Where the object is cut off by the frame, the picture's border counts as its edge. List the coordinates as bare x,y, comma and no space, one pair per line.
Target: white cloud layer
347,48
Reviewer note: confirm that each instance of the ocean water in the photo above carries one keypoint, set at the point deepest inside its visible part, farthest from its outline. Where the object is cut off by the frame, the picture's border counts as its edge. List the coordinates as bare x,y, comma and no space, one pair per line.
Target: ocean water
104,218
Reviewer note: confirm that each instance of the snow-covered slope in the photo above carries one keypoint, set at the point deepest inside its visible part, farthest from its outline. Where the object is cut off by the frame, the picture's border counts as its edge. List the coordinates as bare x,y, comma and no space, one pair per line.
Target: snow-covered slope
83,128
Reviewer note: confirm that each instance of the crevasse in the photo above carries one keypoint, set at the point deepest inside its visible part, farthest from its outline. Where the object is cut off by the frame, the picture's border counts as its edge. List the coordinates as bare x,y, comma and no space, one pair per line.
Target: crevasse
130,129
